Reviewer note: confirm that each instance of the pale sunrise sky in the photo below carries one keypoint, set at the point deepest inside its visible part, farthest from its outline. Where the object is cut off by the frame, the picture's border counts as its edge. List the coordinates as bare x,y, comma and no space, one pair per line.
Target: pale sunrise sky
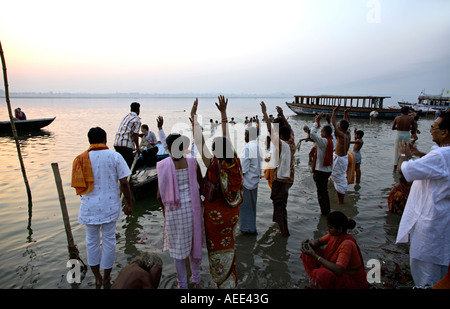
366,47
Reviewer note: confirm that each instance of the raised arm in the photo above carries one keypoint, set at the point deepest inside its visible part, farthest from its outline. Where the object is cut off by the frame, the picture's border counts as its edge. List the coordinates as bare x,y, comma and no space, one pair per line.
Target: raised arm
222,107
281,114
337,133
198,135
266,119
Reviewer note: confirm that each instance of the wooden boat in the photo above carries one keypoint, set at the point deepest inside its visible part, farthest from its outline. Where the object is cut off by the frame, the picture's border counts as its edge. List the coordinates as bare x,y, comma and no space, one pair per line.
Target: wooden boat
361,106
144,181
25,125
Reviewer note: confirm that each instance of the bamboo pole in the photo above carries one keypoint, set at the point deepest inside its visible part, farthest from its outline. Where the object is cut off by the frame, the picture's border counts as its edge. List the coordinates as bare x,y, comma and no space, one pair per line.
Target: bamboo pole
73,250
14,131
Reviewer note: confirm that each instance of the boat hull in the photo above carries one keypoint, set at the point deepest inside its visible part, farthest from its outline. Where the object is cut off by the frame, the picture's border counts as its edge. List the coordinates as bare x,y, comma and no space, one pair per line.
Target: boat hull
356,112
25,125
143,182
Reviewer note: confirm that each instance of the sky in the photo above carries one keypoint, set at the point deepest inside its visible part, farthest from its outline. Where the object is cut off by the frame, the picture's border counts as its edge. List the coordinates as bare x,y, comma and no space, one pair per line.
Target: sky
358,47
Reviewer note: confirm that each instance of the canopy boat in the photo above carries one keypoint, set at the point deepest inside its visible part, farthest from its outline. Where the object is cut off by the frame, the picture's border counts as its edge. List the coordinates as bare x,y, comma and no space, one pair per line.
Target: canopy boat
428,103
25,125
361,106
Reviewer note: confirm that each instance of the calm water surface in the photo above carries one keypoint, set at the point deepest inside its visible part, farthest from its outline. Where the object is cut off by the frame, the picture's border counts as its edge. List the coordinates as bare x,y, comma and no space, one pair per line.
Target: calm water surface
33,246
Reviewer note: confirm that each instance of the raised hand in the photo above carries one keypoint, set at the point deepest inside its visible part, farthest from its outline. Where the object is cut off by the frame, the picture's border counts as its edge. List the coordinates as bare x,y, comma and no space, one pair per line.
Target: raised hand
160,122
263,107
194,108
222,106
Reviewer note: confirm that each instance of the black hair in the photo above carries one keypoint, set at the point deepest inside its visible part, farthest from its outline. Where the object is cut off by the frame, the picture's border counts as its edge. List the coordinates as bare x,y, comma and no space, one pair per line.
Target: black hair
405,110
445,122
96,135
337,219
222,149
328,130
134,107
360,133
175,140
344,124
144,126
285,132
278,120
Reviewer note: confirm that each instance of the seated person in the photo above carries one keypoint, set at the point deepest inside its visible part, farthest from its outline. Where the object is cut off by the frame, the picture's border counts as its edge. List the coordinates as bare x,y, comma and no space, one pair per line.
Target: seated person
142,273
149,148
340,265
19,114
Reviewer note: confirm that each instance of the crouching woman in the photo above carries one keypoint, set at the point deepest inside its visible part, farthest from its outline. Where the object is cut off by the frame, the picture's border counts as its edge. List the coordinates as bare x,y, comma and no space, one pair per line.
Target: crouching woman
340,264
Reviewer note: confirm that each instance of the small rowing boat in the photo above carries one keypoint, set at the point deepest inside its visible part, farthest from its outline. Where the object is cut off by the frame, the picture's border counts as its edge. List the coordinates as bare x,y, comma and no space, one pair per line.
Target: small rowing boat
145,180
25,125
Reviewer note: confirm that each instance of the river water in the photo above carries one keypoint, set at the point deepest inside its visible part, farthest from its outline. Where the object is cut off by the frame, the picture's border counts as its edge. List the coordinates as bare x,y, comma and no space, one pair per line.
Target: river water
33,245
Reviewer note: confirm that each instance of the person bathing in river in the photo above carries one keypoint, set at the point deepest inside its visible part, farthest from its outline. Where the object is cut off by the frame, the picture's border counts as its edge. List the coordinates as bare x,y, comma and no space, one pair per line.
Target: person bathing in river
340,157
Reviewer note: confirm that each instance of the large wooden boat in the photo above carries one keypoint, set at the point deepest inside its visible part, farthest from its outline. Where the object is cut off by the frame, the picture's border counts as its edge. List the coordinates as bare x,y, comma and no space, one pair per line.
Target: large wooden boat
360,106
25,125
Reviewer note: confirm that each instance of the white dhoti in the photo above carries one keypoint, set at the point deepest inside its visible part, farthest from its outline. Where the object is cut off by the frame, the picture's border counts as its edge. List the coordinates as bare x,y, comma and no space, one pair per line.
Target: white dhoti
339,173
402,136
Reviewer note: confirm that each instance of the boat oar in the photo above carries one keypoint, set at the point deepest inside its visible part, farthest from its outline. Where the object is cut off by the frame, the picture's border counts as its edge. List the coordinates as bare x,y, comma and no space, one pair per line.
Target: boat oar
73,250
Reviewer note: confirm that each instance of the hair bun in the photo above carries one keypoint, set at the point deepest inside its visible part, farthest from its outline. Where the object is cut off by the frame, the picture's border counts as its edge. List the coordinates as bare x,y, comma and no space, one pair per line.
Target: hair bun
351,224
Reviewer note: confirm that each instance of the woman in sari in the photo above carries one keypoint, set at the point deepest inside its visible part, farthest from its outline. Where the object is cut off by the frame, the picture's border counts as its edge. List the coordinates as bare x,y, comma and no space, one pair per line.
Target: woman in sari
340,265
222,213
399,196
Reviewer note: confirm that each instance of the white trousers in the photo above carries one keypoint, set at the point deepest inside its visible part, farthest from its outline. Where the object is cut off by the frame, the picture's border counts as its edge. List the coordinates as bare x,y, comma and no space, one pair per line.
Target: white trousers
105,258
425,273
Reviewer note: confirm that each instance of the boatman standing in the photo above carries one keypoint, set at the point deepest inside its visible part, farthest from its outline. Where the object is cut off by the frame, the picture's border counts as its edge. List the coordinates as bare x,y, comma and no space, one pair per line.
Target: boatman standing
127,135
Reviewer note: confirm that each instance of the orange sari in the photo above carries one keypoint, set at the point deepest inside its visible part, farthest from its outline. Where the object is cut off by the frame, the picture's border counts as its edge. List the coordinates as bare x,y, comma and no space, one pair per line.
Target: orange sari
321,276
221,217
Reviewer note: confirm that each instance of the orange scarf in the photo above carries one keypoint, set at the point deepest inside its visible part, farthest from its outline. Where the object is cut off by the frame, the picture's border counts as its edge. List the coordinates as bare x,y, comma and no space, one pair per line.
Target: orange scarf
82,176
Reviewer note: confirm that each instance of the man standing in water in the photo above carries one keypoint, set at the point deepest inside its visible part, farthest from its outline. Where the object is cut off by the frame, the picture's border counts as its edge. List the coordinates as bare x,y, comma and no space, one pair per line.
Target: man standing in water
404,124
281,165
97,174
426,216
340,156
127,135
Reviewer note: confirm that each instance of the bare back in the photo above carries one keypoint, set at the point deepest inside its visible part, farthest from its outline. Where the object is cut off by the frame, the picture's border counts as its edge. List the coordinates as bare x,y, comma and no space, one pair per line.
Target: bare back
403,123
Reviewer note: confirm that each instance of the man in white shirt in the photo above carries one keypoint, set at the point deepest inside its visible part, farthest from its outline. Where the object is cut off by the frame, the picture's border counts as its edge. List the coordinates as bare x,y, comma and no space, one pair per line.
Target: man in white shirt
96,175
323,162
127,135
426,218
251,170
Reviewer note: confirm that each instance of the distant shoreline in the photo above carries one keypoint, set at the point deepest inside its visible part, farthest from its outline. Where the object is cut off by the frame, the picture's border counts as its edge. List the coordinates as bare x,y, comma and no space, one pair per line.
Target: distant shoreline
68,95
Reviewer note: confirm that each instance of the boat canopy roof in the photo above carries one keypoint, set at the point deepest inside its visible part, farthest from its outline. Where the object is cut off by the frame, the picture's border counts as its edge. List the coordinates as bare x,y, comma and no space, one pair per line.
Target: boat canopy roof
342,100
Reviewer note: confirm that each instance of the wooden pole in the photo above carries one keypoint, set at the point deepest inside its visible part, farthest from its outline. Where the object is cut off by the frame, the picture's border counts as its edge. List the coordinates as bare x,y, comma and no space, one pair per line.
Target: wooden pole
14,131
73,250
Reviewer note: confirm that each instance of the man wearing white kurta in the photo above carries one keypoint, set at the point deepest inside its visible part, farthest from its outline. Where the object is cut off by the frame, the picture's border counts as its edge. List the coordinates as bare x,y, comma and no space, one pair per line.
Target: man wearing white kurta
251,171
101,207
426,218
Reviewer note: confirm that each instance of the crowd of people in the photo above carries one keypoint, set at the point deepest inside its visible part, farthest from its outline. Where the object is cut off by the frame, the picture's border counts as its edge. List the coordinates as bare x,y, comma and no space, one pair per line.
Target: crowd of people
204,210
